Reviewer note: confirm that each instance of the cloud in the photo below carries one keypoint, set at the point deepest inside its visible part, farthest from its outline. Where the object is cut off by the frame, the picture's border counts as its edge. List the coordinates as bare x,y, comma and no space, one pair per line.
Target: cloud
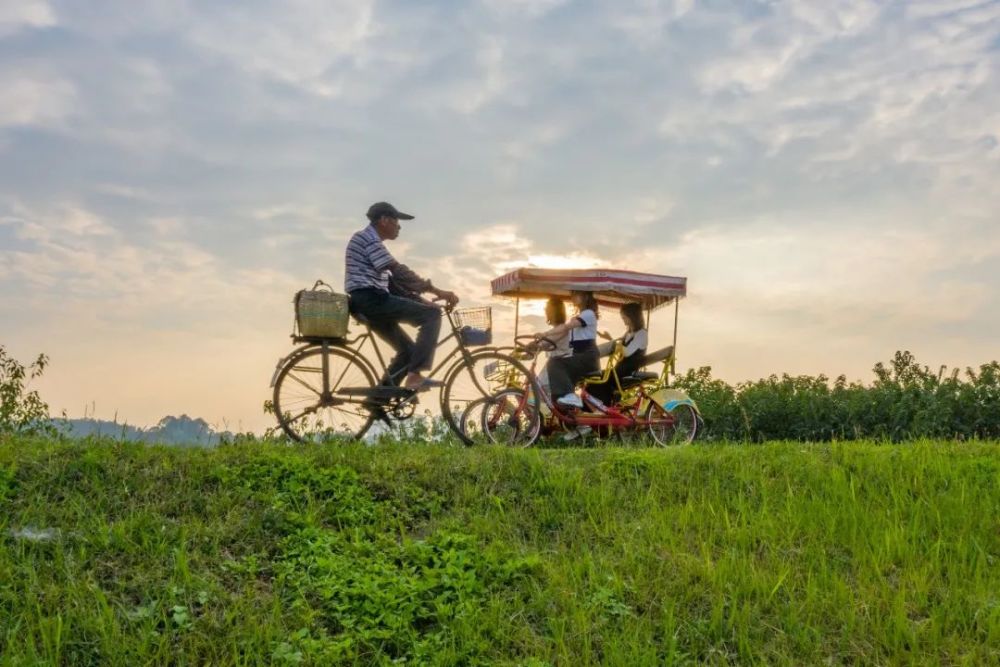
302,42
845,102
125,191
922,9
490,81
34,100
531,9
72,255
19,14
753,70
644,22
832,281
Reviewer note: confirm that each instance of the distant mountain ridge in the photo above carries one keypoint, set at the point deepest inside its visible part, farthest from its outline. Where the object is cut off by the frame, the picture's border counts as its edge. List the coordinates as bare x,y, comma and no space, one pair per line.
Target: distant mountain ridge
183,430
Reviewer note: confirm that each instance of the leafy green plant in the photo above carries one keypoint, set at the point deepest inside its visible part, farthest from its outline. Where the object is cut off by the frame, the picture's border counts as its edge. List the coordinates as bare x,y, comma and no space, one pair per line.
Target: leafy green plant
906,400
390,598
21,411
181,617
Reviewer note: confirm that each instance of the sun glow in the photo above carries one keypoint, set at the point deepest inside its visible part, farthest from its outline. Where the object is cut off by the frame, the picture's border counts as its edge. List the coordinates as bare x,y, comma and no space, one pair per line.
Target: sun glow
572,261
536,307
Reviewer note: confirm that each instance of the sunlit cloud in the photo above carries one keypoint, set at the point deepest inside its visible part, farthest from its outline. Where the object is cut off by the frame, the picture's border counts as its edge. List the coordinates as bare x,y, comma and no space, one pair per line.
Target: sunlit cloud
569,261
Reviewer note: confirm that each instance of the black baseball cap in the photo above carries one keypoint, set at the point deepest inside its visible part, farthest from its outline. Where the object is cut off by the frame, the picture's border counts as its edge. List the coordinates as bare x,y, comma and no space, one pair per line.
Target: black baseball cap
378,209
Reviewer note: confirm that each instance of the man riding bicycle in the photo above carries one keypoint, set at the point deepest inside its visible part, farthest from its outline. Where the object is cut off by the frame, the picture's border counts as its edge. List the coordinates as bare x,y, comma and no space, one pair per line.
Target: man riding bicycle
386,293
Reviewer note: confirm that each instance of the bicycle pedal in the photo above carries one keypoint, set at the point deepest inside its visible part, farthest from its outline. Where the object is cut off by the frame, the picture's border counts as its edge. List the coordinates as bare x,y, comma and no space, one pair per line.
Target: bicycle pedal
413,398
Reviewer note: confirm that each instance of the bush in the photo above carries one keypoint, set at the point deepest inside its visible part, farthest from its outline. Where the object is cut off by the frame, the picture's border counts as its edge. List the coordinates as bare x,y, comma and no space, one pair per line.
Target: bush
22,412
907,400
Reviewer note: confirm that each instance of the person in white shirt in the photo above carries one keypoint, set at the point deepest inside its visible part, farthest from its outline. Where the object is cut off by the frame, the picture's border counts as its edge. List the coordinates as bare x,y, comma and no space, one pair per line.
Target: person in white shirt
634,342
555,314
565,372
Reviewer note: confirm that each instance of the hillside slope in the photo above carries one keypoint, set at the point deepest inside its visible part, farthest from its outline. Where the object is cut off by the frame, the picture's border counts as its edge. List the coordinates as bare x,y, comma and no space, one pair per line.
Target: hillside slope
782,553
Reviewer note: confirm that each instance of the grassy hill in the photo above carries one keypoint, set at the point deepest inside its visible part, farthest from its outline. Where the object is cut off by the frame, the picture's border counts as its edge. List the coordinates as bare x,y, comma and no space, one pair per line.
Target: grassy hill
856,553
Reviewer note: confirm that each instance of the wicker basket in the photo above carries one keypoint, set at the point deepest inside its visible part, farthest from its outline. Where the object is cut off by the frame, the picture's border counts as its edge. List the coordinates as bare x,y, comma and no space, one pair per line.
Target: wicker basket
321,313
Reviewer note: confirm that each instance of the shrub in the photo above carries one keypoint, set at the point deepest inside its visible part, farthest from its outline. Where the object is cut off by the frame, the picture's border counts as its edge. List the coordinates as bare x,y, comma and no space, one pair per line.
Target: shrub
907,400
22,412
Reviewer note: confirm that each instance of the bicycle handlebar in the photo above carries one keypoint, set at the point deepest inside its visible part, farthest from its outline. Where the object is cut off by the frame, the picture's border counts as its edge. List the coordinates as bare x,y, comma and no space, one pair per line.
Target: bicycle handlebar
446,306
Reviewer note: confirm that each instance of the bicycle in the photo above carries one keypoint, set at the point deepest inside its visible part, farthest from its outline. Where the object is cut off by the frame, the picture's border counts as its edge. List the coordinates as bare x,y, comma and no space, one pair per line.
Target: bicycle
328,389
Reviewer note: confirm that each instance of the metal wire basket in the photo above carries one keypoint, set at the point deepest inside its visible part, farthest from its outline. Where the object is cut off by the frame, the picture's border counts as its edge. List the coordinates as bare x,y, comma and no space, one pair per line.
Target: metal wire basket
479,318
500,372
475,325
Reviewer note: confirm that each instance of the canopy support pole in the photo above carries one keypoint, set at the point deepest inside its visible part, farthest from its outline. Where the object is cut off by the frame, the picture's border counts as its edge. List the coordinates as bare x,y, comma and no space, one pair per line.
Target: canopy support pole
517,314
673,357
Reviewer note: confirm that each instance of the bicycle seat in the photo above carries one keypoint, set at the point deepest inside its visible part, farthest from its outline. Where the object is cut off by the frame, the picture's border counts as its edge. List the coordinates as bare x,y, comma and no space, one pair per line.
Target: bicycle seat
639,376
360,319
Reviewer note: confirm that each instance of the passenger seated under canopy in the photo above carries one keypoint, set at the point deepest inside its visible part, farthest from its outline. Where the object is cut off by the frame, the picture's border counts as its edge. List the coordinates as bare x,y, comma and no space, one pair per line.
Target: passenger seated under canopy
635,341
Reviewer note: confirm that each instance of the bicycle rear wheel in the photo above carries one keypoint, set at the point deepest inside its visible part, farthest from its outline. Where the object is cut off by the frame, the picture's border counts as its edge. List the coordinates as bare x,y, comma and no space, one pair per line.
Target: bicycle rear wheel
481,375
307,412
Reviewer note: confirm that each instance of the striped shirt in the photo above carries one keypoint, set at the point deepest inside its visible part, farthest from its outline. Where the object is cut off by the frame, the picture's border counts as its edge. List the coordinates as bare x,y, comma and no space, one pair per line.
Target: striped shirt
367,262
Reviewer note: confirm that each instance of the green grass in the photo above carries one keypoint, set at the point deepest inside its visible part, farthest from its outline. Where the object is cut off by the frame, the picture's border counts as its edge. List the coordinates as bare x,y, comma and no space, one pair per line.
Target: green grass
781,553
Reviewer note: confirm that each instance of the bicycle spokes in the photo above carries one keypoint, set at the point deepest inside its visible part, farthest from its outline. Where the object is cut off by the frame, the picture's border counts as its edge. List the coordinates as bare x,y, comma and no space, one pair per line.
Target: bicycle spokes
307,412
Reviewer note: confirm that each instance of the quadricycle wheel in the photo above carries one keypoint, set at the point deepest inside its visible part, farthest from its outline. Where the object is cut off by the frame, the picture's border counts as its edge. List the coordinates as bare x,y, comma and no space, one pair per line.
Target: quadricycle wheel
476,378
671,427
509,418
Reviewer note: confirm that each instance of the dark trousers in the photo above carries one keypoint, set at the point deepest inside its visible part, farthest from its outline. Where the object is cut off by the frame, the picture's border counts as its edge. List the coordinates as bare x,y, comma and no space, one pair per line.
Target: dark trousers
384,312
606,391
565,372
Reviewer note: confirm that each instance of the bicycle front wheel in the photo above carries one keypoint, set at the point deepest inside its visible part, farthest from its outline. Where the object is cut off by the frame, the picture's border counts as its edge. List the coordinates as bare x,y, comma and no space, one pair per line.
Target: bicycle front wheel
481,375
320,400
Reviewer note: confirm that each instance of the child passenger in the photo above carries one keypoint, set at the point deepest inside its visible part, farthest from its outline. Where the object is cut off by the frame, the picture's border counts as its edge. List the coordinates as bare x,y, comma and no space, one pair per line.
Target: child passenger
565,372
634,342
555,314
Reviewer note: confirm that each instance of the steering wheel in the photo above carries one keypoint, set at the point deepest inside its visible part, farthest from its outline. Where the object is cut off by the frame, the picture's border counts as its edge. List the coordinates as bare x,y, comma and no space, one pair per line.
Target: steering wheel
530,341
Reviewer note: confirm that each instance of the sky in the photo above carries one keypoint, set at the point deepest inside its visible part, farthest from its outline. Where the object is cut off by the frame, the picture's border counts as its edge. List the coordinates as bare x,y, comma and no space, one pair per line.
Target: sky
823,172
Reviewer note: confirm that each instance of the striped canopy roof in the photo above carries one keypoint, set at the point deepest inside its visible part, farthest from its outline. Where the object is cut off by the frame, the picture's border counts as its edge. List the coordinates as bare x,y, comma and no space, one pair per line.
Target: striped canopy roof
610,286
